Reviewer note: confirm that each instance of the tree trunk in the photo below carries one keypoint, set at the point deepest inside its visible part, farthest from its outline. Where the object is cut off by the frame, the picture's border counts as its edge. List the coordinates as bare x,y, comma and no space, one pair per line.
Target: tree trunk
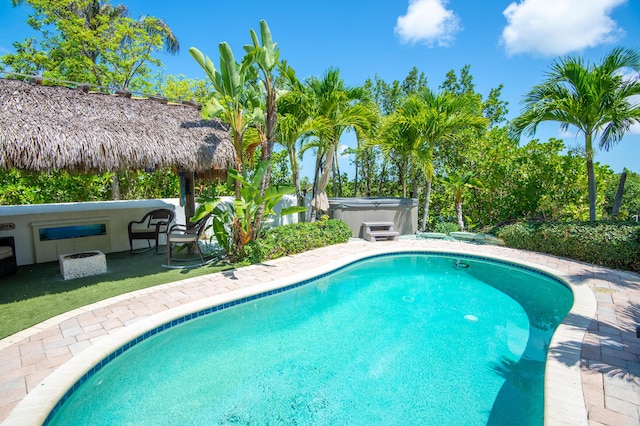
427,195
382,176
355,179
339,182
190,199
327,167
264,184
414,184
368,174
335,180
414,187
403,181
591,177
271,119
296,182
115,187
315,184
459,212
618,200
367,187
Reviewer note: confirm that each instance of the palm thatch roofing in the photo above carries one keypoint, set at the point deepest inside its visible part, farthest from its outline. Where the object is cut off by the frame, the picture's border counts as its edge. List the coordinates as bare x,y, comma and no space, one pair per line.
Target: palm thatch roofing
51,128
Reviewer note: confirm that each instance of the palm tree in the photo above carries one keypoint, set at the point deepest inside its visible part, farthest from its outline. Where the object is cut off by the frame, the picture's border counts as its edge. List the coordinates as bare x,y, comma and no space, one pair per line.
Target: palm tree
441,117
596,99
294,122
265,55
400,140
336,108
457,184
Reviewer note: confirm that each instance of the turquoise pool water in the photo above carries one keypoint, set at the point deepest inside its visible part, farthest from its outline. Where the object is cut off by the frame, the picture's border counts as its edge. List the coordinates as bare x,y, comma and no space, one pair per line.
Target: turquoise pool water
401,339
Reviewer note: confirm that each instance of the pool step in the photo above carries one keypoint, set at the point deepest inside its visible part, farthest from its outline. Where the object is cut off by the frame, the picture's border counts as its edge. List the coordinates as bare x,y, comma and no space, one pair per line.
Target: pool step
374,231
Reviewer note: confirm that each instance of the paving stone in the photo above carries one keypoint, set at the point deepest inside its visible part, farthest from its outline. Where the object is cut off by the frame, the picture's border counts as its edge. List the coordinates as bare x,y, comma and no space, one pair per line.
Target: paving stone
621,388
60,343
609,417
31,348
92,334
622,407
87,319
11,384
13,396
607,353
78,347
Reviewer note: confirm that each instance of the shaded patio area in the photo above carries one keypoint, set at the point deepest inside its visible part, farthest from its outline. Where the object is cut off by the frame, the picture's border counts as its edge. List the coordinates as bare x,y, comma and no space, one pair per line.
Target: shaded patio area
594,373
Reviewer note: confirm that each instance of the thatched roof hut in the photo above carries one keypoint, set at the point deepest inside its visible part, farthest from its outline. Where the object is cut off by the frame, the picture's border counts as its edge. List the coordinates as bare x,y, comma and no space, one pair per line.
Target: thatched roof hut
52,128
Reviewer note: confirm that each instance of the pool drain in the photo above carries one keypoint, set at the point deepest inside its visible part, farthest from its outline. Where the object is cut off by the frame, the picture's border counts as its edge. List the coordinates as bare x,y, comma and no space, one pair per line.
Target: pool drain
407,299
461,265
471,318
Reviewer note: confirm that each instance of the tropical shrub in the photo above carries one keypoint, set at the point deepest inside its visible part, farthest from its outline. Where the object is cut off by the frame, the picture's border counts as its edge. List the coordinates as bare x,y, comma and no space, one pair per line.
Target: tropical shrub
19,187
611,244
630,207
296,238
446,227
24,187
235,225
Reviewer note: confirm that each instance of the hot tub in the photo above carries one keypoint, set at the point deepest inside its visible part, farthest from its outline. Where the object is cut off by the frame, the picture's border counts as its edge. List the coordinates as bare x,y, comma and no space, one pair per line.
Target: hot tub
403,212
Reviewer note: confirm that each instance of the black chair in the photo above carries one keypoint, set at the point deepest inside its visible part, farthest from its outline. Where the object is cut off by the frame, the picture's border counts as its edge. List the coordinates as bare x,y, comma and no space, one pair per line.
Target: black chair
181,234
150,227
8,264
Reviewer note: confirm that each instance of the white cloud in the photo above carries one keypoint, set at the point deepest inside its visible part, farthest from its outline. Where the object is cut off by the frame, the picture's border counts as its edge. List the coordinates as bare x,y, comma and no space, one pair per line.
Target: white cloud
342,149
428,22
557,27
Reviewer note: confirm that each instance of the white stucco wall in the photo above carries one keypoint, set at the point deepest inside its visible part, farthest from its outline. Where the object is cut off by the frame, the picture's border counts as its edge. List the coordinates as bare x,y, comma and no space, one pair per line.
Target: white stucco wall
116,215
23,222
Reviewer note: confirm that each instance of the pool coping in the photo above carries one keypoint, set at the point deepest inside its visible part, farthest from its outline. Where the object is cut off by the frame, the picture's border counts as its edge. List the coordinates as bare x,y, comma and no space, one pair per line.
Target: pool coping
564,400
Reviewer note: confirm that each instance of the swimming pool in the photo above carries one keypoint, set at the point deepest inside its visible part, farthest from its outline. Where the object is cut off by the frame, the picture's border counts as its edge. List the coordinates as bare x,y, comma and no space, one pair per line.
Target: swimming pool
379,341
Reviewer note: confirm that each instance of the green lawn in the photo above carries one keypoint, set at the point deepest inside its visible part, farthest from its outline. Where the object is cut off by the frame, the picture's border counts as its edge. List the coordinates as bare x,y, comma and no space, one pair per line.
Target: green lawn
38,292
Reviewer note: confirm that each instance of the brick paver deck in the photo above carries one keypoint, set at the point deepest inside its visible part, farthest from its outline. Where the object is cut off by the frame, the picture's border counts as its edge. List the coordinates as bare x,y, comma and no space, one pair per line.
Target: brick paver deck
39,364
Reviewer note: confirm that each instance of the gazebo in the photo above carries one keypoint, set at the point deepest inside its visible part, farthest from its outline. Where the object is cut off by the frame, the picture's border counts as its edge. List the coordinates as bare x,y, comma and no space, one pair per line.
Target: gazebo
46,127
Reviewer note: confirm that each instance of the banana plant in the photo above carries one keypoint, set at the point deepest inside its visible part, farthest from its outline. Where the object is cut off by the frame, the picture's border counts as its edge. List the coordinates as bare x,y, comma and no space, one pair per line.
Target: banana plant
235,225
264,55
231,100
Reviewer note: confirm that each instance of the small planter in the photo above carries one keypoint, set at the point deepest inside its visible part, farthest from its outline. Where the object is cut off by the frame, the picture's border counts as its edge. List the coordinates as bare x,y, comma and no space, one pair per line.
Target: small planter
83,264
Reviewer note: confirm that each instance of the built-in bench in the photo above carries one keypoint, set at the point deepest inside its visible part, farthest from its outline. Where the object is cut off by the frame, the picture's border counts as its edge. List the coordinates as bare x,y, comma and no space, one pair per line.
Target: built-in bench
375,231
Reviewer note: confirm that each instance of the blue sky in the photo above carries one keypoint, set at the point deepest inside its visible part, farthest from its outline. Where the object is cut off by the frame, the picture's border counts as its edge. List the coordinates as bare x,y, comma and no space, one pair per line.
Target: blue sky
505,42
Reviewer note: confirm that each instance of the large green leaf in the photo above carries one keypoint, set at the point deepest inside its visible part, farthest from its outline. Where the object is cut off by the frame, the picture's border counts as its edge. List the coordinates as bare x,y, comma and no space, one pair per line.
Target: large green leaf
278,191
204,61
292,210
230,72
211,109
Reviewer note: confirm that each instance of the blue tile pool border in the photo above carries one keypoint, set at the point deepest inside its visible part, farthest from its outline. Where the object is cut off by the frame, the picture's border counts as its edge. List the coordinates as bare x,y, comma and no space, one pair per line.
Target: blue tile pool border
106,360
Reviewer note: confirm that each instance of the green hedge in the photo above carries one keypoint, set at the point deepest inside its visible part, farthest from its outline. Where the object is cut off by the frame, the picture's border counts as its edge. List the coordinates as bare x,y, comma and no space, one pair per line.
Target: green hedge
296,238
614,245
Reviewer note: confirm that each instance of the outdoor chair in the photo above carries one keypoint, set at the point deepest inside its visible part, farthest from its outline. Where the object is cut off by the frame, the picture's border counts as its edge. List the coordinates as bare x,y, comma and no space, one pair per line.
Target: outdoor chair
150,227
8,264
189,236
